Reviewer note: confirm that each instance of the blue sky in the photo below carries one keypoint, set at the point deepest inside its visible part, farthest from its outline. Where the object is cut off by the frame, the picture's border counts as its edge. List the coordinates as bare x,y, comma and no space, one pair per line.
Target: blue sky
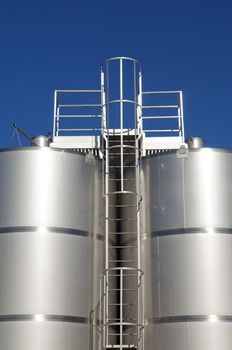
182,45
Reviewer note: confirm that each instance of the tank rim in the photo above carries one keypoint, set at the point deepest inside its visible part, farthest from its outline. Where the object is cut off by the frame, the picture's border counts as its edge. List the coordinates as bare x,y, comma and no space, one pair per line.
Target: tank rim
192,150
46,149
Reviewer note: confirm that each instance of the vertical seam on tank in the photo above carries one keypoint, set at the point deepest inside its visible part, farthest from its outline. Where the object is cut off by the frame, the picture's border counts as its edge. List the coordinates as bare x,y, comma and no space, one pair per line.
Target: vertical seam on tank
183,189
158,242
158,267
159,185
188,336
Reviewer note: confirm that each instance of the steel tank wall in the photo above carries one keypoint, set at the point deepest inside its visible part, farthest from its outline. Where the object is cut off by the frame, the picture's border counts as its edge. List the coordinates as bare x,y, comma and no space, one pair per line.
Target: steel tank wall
187,250
49,238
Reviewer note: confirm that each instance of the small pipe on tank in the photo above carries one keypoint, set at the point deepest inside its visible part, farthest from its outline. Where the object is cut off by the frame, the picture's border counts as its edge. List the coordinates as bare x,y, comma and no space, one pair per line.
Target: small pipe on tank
37,141
195,142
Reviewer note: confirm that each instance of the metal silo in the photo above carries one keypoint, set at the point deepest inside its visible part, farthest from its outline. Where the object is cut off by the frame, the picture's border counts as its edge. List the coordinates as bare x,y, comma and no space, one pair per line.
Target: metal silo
47,242
187,249
116,233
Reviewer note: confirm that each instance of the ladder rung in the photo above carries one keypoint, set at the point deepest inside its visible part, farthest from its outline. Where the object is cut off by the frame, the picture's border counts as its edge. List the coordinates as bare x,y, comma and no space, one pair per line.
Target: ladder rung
124,320
128,275
118,136
126,289
124,304
123,233
118,260
123,246
131,334
121,219
123,346
123,153
124,166
122,179
122,206
129,138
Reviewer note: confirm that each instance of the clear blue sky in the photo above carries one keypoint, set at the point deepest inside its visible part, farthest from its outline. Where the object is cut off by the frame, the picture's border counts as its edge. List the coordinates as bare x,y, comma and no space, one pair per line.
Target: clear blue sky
185,45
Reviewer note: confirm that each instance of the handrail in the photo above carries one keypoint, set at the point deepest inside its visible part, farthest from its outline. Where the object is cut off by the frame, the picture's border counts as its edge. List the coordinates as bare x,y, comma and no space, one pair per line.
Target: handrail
177,115
59,130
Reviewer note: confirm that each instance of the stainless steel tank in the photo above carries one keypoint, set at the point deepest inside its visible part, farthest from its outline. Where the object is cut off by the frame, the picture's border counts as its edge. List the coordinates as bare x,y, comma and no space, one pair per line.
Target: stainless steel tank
187,250
51,248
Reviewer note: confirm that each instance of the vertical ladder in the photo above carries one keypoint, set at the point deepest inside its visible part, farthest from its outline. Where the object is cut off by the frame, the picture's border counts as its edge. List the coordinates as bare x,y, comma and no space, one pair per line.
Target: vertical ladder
121,315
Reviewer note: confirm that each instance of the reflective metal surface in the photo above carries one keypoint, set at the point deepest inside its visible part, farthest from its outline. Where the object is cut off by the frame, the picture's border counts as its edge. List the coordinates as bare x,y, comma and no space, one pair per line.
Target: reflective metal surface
41,141
187,250
195,142
49,241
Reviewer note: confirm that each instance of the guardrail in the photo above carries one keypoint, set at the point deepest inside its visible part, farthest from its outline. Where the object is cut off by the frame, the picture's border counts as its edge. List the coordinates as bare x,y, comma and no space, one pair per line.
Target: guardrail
88,120
175,114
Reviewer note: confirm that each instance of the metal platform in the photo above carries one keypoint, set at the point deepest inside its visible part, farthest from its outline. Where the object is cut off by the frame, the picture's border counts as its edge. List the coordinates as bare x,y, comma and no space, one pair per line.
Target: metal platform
80,115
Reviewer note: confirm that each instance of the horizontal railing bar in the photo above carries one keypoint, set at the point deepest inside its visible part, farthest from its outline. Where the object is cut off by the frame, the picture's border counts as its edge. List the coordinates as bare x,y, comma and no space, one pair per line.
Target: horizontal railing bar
78,116
167,130
80,105
74,91
95,129
162,117
160,107
160,92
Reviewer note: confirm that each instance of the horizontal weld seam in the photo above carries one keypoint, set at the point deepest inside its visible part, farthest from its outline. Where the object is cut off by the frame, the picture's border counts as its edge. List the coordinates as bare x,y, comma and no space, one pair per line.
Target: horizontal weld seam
190,318
31,317
61,230
192,230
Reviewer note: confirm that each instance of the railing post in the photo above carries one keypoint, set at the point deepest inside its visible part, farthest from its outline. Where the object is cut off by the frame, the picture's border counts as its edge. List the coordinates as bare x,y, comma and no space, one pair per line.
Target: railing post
55,115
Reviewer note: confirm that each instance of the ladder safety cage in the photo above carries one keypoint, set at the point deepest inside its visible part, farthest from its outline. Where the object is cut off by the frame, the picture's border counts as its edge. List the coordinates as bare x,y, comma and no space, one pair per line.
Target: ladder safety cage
121,323
121,316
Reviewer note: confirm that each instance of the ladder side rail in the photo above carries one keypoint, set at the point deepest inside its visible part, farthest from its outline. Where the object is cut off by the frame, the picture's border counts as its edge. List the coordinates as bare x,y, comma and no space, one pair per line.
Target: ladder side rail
121,124
100,312
107,234
121,309
103,102
140,105
139,150
104,314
